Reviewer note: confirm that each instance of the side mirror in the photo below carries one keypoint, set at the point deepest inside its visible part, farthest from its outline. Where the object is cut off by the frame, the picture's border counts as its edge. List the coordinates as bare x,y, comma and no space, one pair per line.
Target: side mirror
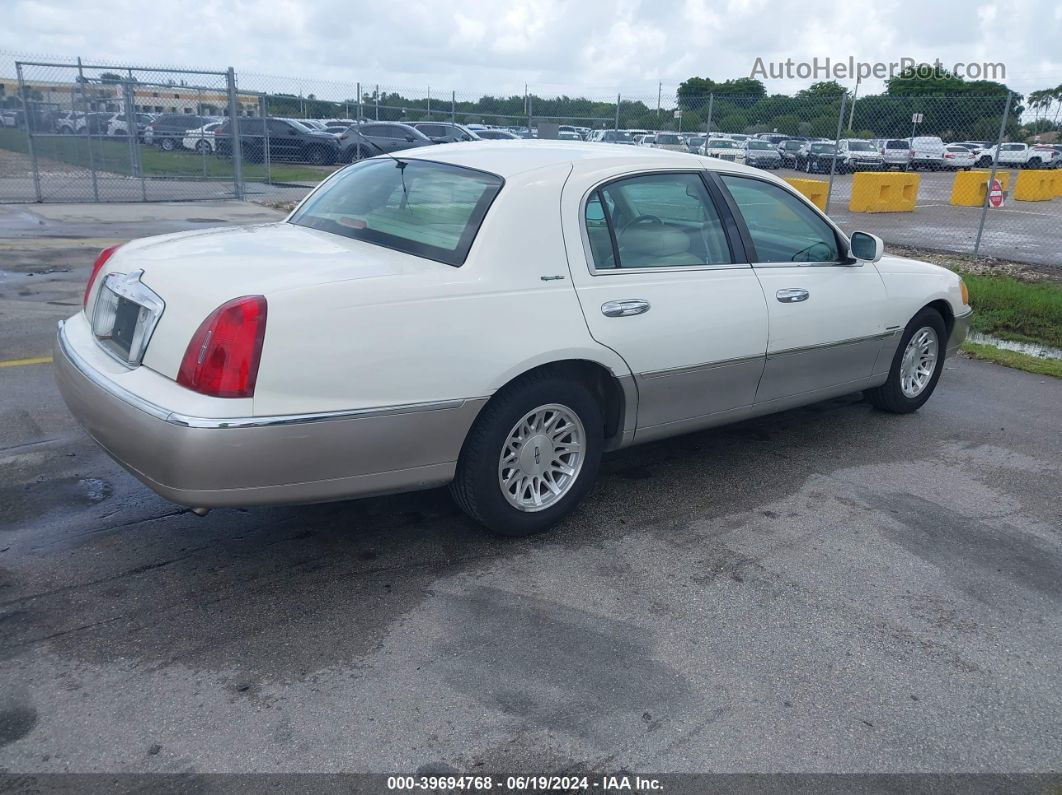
867,247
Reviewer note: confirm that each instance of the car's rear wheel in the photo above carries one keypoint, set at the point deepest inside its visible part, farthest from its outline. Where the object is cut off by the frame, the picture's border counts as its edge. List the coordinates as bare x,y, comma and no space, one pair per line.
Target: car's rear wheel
203,147
531,456
916,365
167,144
316,156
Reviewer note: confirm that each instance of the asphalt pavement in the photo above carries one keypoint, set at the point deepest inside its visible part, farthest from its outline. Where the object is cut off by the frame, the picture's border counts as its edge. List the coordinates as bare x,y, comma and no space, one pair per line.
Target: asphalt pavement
832,589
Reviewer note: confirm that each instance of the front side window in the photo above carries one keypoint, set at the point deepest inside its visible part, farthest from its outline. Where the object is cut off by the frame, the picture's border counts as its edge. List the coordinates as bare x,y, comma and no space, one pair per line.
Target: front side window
655,221
430,210
782,227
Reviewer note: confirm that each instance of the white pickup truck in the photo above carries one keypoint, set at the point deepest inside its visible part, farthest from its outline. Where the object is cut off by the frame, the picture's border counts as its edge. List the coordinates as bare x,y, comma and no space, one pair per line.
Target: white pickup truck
1015,155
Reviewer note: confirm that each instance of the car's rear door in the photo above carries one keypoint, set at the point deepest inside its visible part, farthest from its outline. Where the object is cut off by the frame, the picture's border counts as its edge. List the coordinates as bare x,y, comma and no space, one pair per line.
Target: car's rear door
660,283
826,319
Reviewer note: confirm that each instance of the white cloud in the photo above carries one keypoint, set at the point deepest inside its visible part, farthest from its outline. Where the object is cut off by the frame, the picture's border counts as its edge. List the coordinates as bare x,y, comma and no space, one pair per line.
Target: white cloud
596,47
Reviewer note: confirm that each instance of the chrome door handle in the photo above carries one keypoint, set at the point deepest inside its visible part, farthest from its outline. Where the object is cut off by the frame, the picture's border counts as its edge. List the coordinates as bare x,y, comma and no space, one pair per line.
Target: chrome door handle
628,306
792,295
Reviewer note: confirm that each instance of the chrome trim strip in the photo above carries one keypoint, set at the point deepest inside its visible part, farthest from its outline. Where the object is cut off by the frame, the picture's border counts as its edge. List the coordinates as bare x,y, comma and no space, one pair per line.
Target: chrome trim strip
853,341
697,367
187,421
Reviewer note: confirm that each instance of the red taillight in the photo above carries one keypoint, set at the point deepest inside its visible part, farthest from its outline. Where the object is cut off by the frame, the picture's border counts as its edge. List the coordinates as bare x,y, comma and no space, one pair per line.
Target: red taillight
97,266
222,358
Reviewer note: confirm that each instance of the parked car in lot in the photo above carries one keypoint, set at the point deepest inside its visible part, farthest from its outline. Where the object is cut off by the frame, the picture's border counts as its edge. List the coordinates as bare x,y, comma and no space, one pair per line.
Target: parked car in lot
564,135
338,125
858,155
201,139
445,132
168,130
12,118
694,143
670,141
956,157
118,125
818,157
645,140
70,123
1018,155
612,137
378,137
356,347
282,139
789,151
927,151
722,148
759,153
498,135
896,153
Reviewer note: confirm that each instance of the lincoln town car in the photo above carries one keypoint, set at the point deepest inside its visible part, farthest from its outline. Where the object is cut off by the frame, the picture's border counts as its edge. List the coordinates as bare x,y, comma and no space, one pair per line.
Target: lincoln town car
492,315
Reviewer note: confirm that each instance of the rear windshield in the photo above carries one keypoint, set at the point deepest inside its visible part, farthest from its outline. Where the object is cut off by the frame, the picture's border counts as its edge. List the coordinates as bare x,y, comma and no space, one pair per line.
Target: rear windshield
430,210
759,145
897,145
860,146
668,139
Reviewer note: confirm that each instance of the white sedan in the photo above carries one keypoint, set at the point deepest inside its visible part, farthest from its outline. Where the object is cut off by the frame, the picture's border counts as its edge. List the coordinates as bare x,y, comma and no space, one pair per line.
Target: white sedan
201,139
494,316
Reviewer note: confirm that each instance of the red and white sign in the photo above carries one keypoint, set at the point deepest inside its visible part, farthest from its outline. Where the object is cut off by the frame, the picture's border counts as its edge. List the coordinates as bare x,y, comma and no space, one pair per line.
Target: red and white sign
995,194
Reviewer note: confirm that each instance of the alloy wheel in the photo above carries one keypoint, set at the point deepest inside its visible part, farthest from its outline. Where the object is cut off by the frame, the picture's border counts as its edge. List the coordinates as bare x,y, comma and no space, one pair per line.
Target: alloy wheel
541,457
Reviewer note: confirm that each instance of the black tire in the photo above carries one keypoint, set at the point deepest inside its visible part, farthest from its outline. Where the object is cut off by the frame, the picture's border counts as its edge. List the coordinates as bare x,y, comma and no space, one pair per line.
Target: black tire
316,156
476,487
890,396
167,145
203,147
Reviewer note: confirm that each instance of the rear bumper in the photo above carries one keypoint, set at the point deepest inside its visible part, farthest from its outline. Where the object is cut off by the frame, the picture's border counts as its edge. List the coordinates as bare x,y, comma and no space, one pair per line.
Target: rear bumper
237,461
959,329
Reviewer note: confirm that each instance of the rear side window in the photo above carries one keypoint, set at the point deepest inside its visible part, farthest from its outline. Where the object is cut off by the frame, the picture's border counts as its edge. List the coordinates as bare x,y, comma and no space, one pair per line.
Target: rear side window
782,227
430,210
655,221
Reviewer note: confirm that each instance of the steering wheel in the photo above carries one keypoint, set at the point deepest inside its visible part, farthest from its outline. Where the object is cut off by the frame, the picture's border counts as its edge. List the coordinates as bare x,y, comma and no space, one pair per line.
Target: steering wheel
650,219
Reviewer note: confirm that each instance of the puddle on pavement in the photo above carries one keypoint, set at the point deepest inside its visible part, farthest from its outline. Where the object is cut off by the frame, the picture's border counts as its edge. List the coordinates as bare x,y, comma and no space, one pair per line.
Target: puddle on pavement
1029,348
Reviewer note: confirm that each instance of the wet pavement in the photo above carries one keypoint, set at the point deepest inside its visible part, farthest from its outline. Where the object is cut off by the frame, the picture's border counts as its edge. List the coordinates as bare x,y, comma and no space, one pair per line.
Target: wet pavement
828,589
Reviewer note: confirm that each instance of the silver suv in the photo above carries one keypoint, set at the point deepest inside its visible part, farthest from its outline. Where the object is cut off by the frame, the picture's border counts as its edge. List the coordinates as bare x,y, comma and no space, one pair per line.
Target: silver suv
896,152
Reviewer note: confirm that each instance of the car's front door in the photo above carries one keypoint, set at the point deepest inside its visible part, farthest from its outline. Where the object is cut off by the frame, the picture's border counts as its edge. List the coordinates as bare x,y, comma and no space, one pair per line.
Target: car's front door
660,284
827,319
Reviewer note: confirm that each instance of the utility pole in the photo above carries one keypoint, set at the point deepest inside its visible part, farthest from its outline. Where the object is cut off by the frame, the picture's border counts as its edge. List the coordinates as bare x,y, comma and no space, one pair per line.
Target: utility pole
659,90
851,112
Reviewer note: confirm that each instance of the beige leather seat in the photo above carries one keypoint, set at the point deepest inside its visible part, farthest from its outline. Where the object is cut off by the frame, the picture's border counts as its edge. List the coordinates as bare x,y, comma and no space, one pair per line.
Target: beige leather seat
654,245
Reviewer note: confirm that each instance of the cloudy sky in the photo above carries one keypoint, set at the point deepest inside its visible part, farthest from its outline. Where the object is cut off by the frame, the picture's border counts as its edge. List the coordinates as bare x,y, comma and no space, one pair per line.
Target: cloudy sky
595,47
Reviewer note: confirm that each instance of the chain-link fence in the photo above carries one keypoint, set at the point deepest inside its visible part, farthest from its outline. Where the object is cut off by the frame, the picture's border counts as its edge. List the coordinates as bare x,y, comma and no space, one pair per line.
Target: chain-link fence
969,174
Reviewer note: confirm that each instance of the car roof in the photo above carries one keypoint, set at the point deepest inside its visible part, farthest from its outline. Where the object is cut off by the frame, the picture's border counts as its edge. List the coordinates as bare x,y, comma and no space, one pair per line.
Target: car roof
508,158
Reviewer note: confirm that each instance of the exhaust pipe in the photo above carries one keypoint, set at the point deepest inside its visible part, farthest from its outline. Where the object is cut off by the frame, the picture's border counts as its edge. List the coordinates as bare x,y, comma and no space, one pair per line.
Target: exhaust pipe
200,511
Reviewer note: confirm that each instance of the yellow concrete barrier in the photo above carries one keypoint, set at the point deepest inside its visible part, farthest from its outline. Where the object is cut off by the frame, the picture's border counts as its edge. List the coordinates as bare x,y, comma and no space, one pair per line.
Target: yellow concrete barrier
970,187
1035,186
814,189
883,192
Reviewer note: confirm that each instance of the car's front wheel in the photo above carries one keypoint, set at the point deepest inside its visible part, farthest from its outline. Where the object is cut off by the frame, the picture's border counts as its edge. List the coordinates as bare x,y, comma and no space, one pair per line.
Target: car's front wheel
916,365
167,144
531,456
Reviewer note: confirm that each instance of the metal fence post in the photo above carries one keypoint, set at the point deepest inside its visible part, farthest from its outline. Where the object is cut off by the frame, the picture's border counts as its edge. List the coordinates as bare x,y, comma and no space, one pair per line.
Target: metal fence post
429,103
234,123
28,120
617,112
992,174
836,144
358,108
377,96
129,109
263,111
453,107
708,124
88,132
